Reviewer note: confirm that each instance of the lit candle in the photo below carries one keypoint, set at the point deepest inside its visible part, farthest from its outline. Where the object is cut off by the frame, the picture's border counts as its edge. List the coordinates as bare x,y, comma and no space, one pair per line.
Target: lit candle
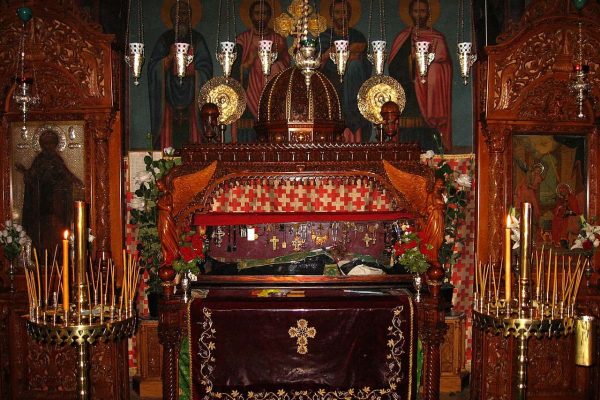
65,273
507,282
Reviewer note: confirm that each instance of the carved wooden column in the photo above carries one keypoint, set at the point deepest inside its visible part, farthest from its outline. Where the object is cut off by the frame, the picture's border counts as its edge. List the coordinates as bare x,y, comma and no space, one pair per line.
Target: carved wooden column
432,329
101,125
496,139
170,333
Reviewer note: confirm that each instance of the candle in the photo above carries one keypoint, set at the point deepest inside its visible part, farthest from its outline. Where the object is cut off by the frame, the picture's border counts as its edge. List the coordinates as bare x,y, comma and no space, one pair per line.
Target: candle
65,270
507,275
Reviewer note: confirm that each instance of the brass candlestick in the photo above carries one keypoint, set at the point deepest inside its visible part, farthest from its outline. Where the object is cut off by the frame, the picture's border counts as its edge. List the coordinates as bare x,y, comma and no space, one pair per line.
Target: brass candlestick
550,314
96,316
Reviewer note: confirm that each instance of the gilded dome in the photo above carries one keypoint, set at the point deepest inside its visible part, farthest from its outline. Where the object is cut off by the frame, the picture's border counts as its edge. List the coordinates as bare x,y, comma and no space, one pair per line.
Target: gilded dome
288,112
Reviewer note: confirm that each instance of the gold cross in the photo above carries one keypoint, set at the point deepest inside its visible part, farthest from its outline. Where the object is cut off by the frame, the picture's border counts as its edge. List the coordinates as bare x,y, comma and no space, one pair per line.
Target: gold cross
302,332
367,239
274,240
297,243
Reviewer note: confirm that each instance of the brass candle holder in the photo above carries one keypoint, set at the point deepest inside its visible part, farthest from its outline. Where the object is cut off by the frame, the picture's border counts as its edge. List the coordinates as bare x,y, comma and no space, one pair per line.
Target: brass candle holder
548,311
97,314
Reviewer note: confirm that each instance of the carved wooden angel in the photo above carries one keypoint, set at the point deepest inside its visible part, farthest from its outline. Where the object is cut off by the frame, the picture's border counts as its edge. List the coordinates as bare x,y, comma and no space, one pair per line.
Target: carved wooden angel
427,200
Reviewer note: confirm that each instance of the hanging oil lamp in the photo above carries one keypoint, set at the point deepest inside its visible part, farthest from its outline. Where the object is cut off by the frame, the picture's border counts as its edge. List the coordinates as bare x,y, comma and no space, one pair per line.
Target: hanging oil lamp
378,55
341,51
580,84
23,95
226,57
135,55
183,58
465,58
307,57
266,55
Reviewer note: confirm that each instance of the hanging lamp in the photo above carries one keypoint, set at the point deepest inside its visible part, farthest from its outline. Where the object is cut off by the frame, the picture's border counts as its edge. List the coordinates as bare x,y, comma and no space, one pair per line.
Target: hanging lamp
465,58
23,95
135,55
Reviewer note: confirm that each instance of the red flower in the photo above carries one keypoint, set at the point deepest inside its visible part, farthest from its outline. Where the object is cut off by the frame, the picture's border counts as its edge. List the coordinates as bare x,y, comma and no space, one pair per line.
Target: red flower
187,253
587,245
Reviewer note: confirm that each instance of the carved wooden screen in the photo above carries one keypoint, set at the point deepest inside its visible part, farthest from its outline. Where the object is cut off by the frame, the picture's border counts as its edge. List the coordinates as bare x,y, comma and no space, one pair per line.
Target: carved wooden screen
528,99
533,146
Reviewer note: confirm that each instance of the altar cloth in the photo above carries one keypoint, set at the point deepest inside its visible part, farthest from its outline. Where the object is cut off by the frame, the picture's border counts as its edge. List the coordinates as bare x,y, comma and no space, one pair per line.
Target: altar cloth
313,344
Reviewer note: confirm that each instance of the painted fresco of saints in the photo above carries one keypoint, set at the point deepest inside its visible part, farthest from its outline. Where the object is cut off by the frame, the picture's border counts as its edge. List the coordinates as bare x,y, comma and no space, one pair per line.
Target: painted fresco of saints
428,109
257,15
343,15
175,118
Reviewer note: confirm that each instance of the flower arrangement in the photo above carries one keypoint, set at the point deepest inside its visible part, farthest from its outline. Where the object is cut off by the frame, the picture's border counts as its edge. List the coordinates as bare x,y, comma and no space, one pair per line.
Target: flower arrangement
456,192
144,214
12,239
410,250
588,238
192,250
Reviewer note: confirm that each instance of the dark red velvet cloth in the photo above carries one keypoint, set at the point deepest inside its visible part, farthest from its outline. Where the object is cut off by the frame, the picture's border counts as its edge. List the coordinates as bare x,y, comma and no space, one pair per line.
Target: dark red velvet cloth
244,346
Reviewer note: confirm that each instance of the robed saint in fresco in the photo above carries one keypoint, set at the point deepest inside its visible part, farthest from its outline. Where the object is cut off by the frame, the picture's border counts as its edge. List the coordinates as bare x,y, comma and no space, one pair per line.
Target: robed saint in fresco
428,108
358,68
175,118
247,67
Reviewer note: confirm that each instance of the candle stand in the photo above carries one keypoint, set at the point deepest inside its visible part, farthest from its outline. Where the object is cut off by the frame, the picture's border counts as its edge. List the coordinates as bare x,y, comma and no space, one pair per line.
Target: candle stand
47,330
544,304
522,329
98,313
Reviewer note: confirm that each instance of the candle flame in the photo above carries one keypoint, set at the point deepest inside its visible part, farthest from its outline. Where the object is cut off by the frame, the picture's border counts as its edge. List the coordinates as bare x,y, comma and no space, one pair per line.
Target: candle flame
508,221
66,234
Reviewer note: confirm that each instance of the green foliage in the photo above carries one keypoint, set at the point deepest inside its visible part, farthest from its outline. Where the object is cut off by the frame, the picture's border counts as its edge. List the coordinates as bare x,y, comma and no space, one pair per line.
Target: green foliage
144,215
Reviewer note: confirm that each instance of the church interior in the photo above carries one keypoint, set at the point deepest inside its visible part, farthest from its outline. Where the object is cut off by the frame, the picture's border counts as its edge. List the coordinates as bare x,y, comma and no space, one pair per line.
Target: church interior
300,199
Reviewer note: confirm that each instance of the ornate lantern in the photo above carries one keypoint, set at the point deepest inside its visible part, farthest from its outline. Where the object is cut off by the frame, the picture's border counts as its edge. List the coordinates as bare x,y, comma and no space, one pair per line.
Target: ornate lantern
135,55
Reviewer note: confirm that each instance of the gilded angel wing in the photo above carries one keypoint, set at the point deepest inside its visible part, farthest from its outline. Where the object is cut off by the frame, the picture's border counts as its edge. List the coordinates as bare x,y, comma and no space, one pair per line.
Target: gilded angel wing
412,186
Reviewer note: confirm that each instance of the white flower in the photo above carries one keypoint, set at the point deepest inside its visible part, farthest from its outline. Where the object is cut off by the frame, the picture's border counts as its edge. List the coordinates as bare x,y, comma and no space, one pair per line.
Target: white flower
169,151
596,243
18,228
9,239
428,155
90,236
577,244
449,239
8,223
464,181
4,233
22,241
22,234
137,203
445,197
143,177
156,170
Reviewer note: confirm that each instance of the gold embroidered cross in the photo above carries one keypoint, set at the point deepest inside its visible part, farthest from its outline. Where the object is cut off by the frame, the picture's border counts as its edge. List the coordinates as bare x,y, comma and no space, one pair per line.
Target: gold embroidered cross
302,332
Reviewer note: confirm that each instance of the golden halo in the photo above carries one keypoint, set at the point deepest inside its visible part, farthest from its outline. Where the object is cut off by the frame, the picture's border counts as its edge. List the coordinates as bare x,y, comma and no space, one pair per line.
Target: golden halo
434,10
227,94
165,12
377,90
354,17
245,12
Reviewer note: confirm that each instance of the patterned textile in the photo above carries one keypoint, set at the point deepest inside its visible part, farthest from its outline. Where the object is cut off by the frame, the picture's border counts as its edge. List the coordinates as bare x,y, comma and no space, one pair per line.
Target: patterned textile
315,195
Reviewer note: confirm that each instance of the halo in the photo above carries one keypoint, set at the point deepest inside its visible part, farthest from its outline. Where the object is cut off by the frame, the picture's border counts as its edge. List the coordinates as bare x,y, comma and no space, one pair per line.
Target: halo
434,11
227,94
165,12
375,92
57,130
245,12
354,17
